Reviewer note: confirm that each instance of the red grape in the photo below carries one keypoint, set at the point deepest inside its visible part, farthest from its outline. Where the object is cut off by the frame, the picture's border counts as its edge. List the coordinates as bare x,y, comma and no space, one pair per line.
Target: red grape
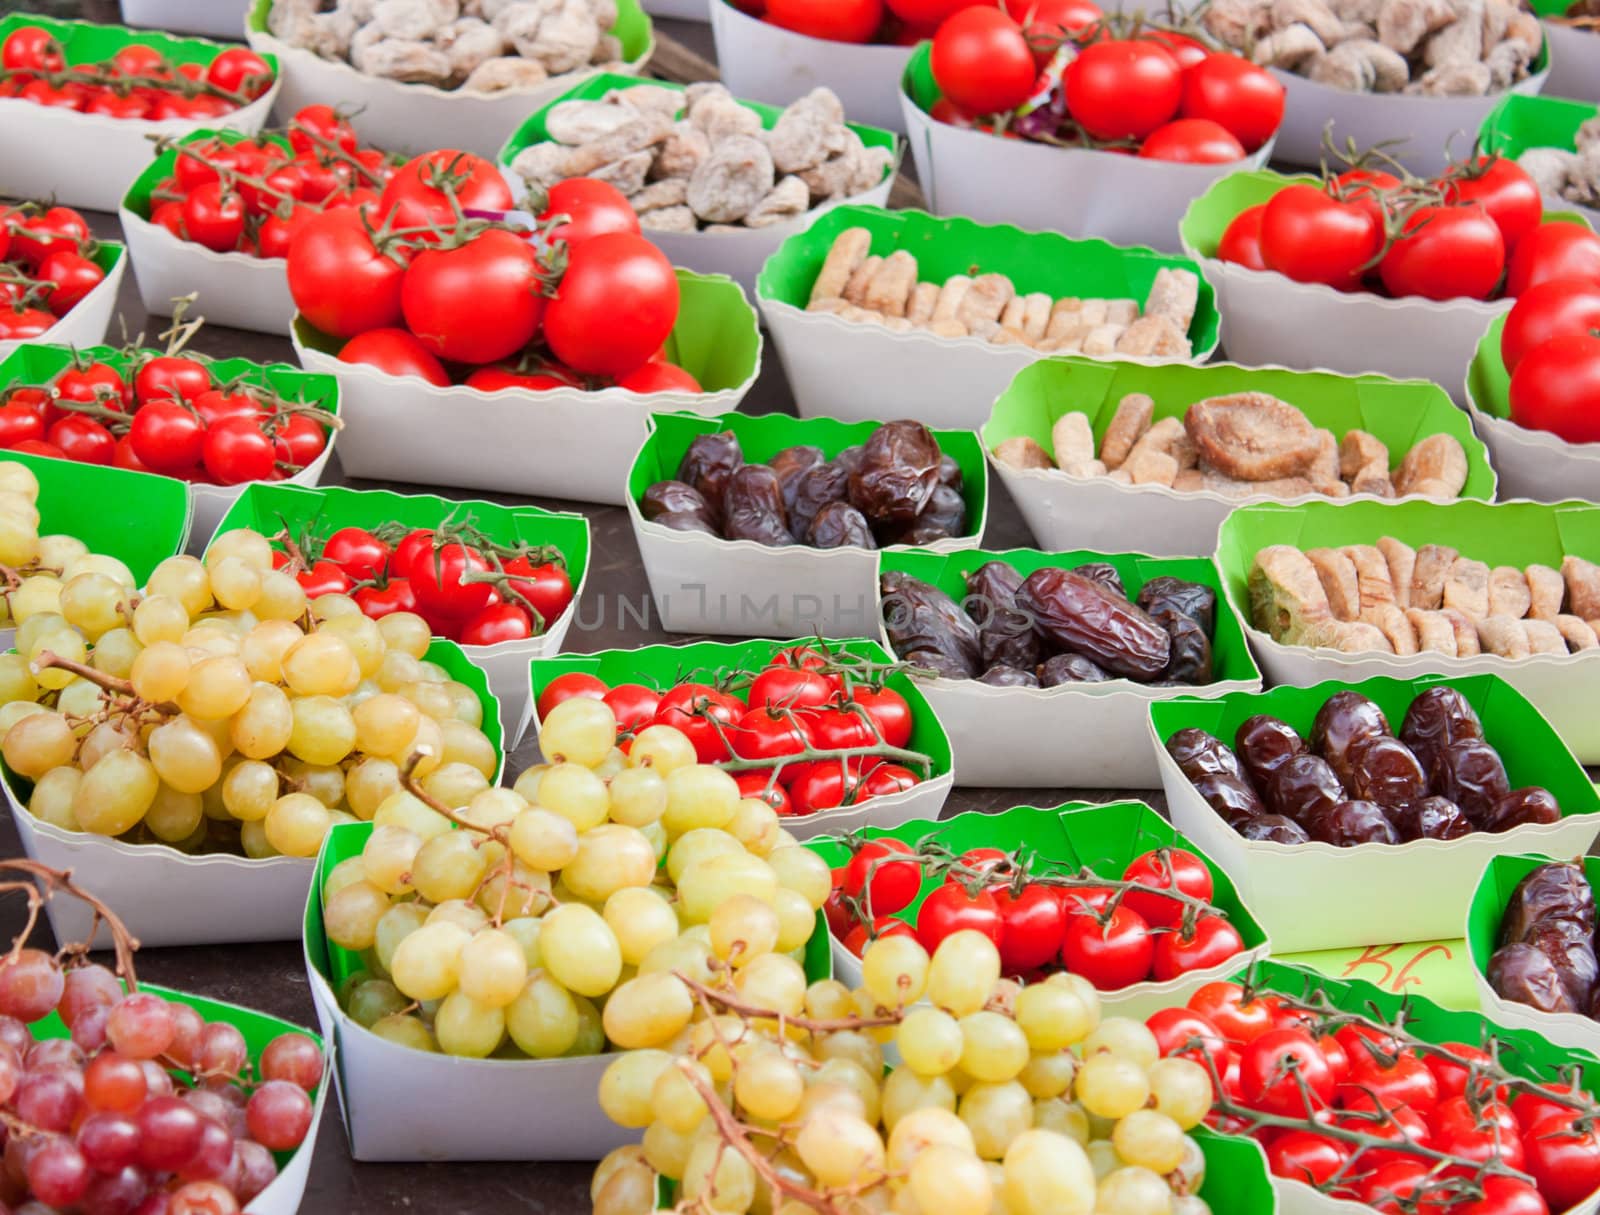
257,1168
141,1026
109,1142
223,1051
279,1114
86,988
295,1058
48,1100
57,1173
114,1082
169,1134
202,1198
30,985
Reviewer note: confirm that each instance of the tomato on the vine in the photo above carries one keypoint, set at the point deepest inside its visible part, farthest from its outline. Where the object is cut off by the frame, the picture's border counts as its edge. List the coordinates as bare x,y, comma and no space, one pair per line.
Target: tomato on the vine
1406,1081
83,439
1564,1159
982,61
757,783
395,352
1239,1021
357,551
833,20
236,450
1505,190
888,884
950,908
834,729
1211,943
1124,89
240,70
1554,308
858,938
592,207
1032,923
415,198
616,304
1246,99
68,276
656,376
213,216
168,437
1556,387
704,715
1306,1156
1444,252
439,579
476,303
565,687
1314,238
769,734
1282,1072
1184,1034
1193,141
1241,240
56,229
341,283
32,48
1112,949
889,711
1166,869
1553,250
633,705
547,587
1488,1132
789,688
393,596
496,623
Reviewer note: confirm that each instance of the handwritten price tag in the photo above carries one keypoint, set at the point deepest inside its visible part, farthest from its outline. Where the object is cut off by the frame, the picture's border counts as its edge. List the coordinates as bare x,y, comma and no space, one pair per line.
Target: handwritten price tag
1439,970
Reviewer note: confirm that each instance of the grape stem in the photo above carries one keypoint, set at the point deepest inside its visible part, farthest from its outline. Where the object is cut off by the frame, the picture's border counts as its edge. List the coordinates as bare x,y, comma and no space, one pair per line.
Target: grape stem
811,1025
109,683
59,881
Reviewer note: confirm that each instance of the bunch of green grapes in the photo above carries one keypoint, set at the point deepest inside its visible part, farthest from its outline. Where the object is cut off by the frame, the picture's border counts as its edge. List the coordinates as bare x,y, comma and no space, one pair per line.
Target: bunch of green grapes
566,913
221,710
937,1088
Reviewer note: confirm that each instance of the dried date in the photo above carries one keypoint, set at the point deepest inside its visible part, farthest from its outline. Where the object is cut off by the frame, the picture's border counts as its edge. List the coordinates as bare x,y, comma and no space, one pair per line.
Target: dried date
1005,634
685,521
950,472
1230,797
922,619
1081,616
1383,770
667,497
1193,599
1344,719
1301,784
1346,824
1273,829
1264,744
1573,957
1200,754
1002,676
816,488
1430,818
790,465
1104,573
1190,660
1469,772
839,525
1522,807
1438,716
752,507
898,473
1071,668
1524,974
1558,892
709,462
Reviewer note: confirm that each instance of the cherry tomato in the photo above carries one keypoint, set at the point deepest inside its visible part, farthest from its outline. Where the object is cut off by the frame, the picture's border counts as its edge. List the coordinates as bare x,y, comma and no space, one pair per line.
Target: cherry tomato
1223,1004
1368,188
1553,250
833,729
1407,1081
789,688
1246,99
136,59
1123,89
1212,942
1479,1136
634,705
395,352
1501,1196
499,379
168,437
1186,50
1400,1126
1505,191
1185,1034
593,208
236,450
1282,1072
22,324
1452,1077
757,783
438,577
214,404
704,715
1557,307
928,13
949,909
982,62
168,377
32,48
1533,1108
19,422
659,377
547,587
873,870
884,780
394,595
496,623
824,785
1445,252
36,237
1032,924
1241,241
616,304
314,122
240,70
83,439
98,383
416,196
213,216
357,551
1313,238
1112,954
340,282
1556,387
1565,1161
122,457
565,687
1166,869
1193,141
832,20
476,303
73,276
858,938
1306,1156
889,711
769,734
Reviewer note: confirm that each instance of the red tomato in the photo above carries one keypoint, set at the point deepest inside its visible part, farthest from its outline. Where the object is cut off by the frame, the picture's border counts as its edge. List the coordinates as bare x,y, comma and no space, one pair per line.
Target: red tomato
36,237
982,62
858,938
789,688
1111,955
633,704
1338,1058
122,457
1186,50
417,194
394,595
547,587
884,780
1501,1196
1194,141
1185,1034
499,379
833,20
1533,1108
437,578
73,276
1372,1084
1392,1187
314,123
1223,1004
1557,307
1556,387
758,784
340,282
1244,98
169,215
1445,252
833,729
565,687
1124,89
889,711
949,908
824,785
1212,943
931,12
496,623
32,48
395,352
1506,192
768,734
22,324
240,70
236,450
985,860
1313,238
1032,925
477,303
1553,250
873,870
659,377
1241,241
357,552
1283,1072
1166,869
38,447
213,216
593,208
323,578
1563,1160
1481,1135
213,405
1452,1077
166,377
19,422
616,304
704,715
1306,1156
136,59
83,439
168,437
98,383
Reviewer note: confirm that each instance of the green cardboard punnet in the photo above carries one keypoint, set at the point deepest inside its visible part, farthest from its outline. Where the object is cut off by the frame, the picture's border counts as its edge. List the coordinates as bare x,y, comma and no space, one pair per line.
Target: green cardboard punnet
761,437
1034,261
1400,413
150,522
1525,120
716,338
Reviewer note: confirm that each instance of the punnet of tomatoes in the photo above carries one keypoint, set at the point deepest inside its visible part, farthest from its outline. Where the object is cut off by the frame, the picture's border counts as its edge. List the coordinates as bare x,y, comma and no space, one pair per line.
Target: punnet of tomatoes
430,281
830,734
1063,73
1110,893
1390,1102
48,265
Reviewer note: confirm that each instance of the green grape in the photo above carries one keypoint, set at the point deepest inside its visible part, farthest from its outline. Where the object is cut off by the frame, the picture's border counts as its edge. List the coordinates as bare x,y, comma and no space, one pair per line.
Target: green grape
699,795
1063,1117
1182,1090
1133,1191
930,1041
249,790
16,680
402,809
1151,1140
448,866
905,1092
839,1148
1111,1086
389,854
373,1000
406,633
38,743
659,747
1053,1017
160,671
281,597
235,583
638,797
346,873
427,963
406,1031
610,857
385,723
578,731
894,971
695,846
368,783
92,603
469,746
218,687
320,664
264,646
707,884
493,969
1126,1037
351,915
52,797
1047,1174
115,793
296,824
467,1028
964,969
243,545
363,637
579,949
544,1022
174,816
1050,1074
950,1181
184,755
995,1114
723,1179
574,792
323,730
646,1011
769,1087
394,926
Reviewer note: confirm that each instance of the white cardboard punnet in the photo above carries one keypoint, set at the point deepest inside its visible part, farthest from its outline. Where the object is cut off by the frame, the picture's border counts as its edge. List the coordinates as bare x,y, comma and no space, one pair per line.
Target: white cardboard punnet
414,118
1574,1030
681,10
1300,893
1574,62
564,443
1074,191
1535,463
233,289
87,160
86,324
767,63
209,18
1434,127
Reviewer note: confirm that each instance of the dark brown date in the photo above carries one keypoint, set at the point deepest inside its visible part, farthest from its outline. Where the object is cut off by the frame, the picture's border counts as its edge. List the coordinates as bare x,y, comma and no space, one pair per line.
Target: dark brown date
922,618
950,472
667,497
1002,676
686,521
709,462
1346,824
943,517
1301,784
1005,635
1077,614
1558,892
1438,716
1521,807
1345,718
1193,599
1526,975
898,473
1430,818
1263,744
1200,754
1071,668
1383,770
1104,573
1574,959
1468,771
838,525
814,489
752,507
948,666
1190,661
1230,797
791,464
850,458
1272,829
